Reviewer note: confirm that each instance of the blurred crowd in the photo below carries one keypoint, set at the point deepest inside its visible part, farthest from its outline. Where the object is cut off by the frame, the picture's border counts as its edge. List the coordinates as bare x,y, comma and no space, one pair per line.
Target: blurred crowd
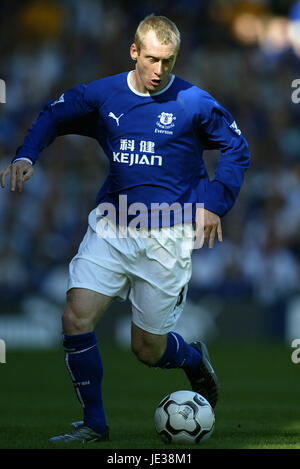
245,53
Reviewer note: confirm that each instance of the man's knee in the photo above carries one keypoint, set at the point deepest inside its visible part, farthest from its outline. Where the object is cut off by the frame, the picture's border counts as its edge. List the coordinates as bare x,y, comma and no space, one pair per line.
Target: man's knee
83,309
75,318
73,323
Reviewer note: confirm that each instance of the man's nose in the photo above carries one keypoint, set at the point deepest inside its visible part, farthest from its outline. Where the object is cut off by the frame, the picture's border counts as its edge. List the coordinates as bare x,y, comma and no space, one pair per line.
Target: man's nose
158,68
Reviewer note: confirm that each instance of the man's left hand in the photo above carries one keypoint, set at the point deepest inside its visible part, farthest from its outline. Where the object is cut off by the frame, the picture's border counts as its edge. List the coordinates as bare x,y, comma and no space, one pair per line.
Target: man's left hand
208,225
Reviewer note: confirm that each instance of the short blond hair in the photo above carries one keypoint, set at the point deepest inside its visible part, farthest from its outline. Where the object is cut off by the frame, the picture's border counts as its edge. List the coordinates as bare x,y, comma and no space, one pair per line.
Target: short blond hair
166,31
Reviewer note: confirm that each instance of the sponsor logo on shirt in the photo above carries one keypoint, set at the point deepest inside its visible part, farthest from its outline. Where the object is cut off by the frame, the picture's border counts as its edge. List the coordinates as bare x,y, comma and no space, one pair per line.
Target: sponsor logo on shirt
136,158
146,153
111,114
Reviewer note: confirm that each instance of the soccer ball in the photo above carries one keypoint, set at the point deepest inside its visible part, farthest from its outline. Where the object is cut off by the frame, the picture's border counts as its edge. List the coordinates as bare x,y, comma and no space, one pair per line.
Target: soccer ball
184,417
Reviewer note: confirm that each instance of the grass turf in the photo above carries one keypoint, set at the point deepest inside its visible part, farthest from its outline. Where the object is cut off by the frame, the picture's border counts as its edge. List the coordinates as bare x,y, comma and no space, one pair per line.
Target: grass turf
259,406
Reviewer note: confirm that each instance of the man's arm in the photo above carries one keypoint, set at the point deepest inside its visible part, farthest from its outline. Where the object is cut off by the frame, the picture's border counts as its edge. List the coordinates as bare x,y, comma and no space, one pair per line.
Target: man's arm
71,113
221,132
218,130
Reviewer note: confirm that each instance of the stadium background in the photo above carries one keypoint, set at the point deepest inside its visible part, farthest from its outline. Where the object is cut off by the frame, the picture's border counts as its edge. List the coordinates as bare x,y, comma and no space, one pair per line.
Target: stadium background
246,54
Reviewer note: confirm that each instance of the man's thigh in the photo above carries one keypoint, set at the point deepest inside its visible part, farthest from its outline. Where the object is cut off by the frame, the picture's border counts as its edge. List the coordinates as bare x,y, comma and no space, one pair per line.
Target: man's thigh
153,309
96,278
159,284
97,267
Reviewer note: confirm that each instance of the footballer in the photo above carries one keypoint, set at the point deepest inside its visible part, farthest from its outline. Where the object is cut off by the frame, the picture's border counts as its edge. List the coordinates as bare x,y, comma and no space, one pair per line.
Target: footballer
153,127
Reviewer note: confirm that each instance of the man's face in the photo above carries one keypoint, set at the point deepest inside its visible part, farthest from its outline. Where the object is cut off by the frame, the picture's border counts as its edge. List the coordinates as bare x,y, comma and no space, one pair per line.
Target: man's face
154,63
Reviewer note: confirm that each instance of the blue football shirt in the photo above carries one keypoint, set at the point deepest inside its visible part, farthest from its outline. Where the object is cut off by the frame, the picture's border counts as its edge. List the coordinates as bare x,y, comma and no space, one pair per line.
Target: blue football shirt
154,143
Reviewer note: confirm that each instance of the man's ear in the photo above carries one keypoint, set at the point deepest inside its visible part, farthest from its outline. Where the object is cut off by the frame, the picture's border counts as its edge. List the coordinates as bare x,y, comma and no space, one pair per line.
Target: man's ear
133,52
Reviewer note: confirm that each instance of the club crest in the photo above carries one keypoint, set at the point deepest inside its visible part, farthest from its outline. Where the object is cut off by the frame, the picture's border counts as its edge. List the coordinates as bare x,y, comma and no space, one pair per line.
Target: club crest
166,120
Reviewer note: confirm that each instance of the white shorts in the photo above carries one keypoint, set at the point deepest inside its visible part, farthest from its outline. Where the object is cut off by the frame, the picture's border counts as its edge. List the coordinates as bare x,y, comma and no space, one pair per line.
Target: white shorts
154,270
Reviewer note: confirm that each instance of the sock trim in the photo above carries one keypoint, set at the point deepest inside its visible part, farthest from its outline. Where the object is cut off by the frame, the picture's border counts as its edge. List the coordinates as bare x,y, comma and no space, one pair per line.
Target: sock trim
80,351
177,341
73,379
68,366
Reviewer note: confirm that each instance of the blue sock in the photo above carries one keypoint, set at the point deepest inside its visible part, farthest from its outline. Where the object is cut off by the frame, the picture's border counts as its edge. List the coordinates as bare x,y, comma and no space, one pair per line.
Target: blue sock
83,360
179,354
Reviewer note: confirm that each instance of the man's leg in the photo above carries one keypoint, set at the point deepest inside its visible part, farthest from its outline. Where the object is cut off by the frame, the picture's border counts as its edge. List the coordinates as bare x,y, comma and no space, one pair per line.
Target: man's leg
82,355
171,351
83,309
158,295
164,351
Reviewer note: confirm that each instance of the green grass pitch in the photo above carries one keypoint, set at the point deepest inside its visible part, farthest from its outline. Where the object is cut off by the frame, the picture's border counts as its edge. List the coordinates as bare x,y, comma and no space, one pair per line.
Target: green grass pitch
259,405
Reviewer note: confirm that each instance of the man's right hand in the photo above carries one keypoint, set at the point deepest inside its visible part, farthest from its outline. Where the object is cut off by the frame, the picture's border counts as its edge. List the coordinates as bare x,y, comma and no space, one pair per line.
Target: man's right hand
20,171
